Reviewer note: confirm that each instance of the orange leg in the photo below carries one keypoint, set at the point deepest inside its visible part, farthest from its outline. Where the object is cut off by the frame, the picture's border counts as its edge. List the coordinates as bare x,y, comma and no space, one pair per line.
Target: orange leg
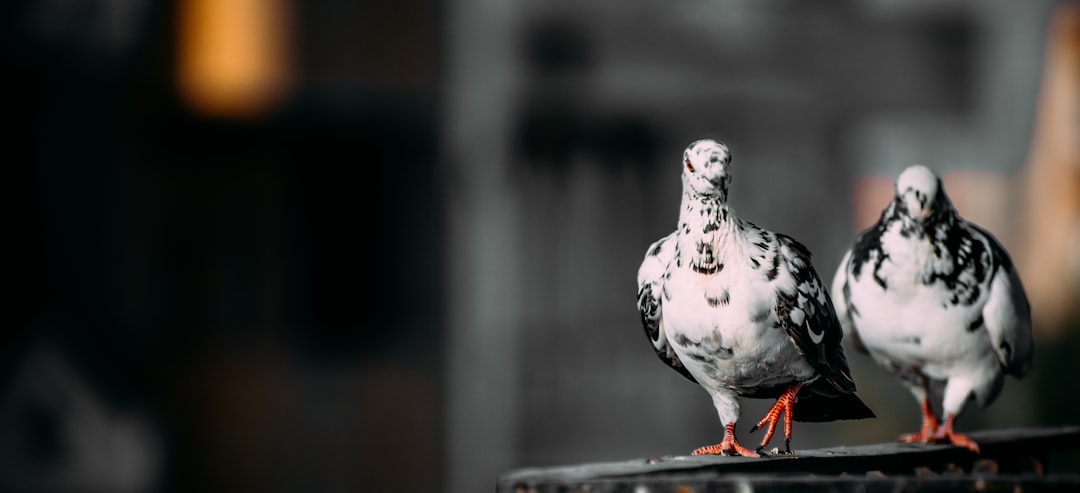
727,447
946,433
929,427
784,404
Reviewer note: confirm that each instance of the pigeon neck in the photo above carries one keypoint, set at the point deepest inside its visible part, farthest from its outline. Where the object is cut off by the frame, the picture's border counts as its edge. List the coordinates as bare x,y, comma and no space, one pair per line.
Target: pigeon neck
706,225
704,215
706,207
943,216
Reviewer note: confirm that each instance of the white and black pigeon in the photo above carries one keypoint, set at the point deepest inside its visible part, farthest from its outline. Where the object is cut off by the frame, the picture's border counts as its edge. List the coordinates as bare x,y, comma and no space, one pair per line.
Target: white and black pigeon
741,311
935,300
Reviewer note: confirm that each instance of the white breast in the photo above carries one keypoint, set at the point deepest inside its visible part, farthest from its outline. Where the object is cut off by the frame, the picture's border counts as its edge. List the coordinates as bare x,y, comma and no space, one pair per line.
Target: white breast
738,338
913,324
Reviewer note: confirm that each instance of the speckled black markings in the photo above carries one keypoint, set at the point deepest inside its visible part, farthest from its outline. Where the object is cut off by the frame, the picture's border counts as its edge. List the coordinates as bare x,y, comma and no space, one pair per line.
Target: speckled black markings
722,300
775,269
827,356
704,352
971,259
700,357
707,269
913,340
868,243
706,262
714,217
783,312
975,324
705,252
1000,260
762,316
649,308
946,233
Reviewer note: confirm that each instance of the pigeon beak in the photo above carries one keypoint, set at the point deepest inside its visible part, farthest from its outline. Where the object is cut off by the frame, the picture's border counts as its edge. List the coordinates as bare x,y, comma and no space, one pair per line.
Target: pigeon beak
915,207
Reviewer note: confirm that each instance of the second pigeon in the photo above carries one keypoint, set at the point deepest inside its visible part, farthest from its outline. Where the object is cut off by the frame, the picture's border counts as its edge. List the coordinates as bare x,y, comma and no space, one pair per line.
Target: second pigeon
935,299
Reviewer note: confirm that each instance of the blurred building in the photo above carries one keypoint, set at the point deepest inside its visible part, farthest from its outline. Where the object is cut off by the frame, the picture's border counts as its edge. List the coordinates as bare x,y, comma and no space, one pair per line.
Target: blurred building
564,130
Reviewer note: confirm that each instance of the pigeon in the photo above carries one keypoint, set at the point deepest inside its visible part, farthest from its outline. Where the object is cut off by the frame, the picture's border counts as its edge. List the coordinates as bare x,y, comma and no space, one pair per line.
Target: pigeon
935,300
741,311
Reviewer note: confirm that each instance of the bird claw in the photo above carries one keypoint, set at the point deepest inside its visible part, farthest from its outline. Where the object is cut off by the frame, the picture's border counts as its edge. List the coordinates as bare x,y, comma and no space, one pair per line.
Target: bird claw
729,446
776,450
957,440
915,438
726,450
932,433
930,427
784,406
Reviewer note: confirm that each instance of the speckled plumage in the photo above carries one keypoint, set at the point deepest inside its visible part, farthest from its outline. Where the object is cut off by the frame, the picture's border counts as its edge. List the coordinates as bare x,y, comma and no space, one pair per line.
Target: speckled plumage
934,298
740,309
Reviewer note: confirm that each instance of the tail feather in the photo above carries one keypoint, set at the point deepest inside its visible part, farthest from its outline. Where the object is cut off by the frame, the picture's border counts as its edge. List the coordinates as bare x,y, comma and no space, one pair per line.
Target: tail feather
814,408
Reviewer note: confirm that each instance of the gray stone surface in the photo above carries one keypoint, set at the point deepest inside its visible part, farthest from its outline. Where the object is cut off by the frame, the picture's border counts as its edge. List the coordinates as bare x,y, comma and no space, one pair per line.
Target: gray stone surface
1010,457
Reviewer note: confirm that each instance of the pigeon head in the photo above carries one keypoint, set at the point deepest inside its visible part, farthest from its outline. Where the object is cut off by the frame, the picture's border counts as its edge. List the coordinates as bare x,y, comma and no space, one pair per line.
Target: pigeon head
919,194
707,168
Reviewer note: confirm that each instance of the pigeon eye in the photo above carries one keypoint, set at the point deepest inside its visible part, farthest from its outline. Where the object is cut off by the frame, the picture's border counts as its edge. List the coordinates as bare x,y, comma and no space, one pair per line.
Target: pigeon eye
689,167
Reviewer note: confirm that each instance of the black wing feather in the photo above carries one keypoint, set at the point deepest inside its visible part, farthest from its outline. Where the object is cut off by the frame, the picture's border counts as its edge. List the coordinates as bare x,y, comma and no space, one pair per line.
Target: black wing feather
649,307
831,396
650,302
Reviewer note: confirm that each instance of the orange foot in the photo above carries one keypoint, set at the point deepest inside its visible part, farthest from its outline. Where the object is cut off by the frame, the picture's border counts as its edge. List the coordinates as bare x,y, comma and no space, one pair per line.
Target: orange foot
929,428
784,404
946,434
727,447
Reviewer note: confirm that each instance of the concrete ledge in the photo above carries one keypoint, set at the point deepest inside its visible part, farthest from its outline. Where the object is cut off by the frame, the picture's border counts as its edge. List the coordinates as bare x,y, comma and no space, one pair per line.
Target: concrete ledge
1010,459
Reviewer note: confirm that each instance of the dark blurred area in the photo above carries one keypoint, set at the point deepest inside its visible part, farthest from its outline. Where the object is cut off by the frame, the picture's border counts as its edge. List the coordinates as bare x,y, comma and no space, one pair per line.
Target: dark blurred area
213,282
273,245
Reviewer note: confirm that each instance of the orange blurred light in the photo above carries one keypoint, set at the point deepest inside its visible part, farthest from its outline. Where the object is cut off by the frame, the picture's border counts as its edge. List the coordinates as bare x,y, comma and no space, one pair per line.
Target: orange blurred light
232,56
1051,262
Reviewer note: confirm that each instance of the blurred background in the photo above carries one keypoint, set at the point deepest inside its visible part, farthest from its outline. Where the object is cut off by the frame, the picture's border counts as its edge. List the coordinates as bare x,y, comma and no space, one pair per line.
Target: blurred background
330,245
